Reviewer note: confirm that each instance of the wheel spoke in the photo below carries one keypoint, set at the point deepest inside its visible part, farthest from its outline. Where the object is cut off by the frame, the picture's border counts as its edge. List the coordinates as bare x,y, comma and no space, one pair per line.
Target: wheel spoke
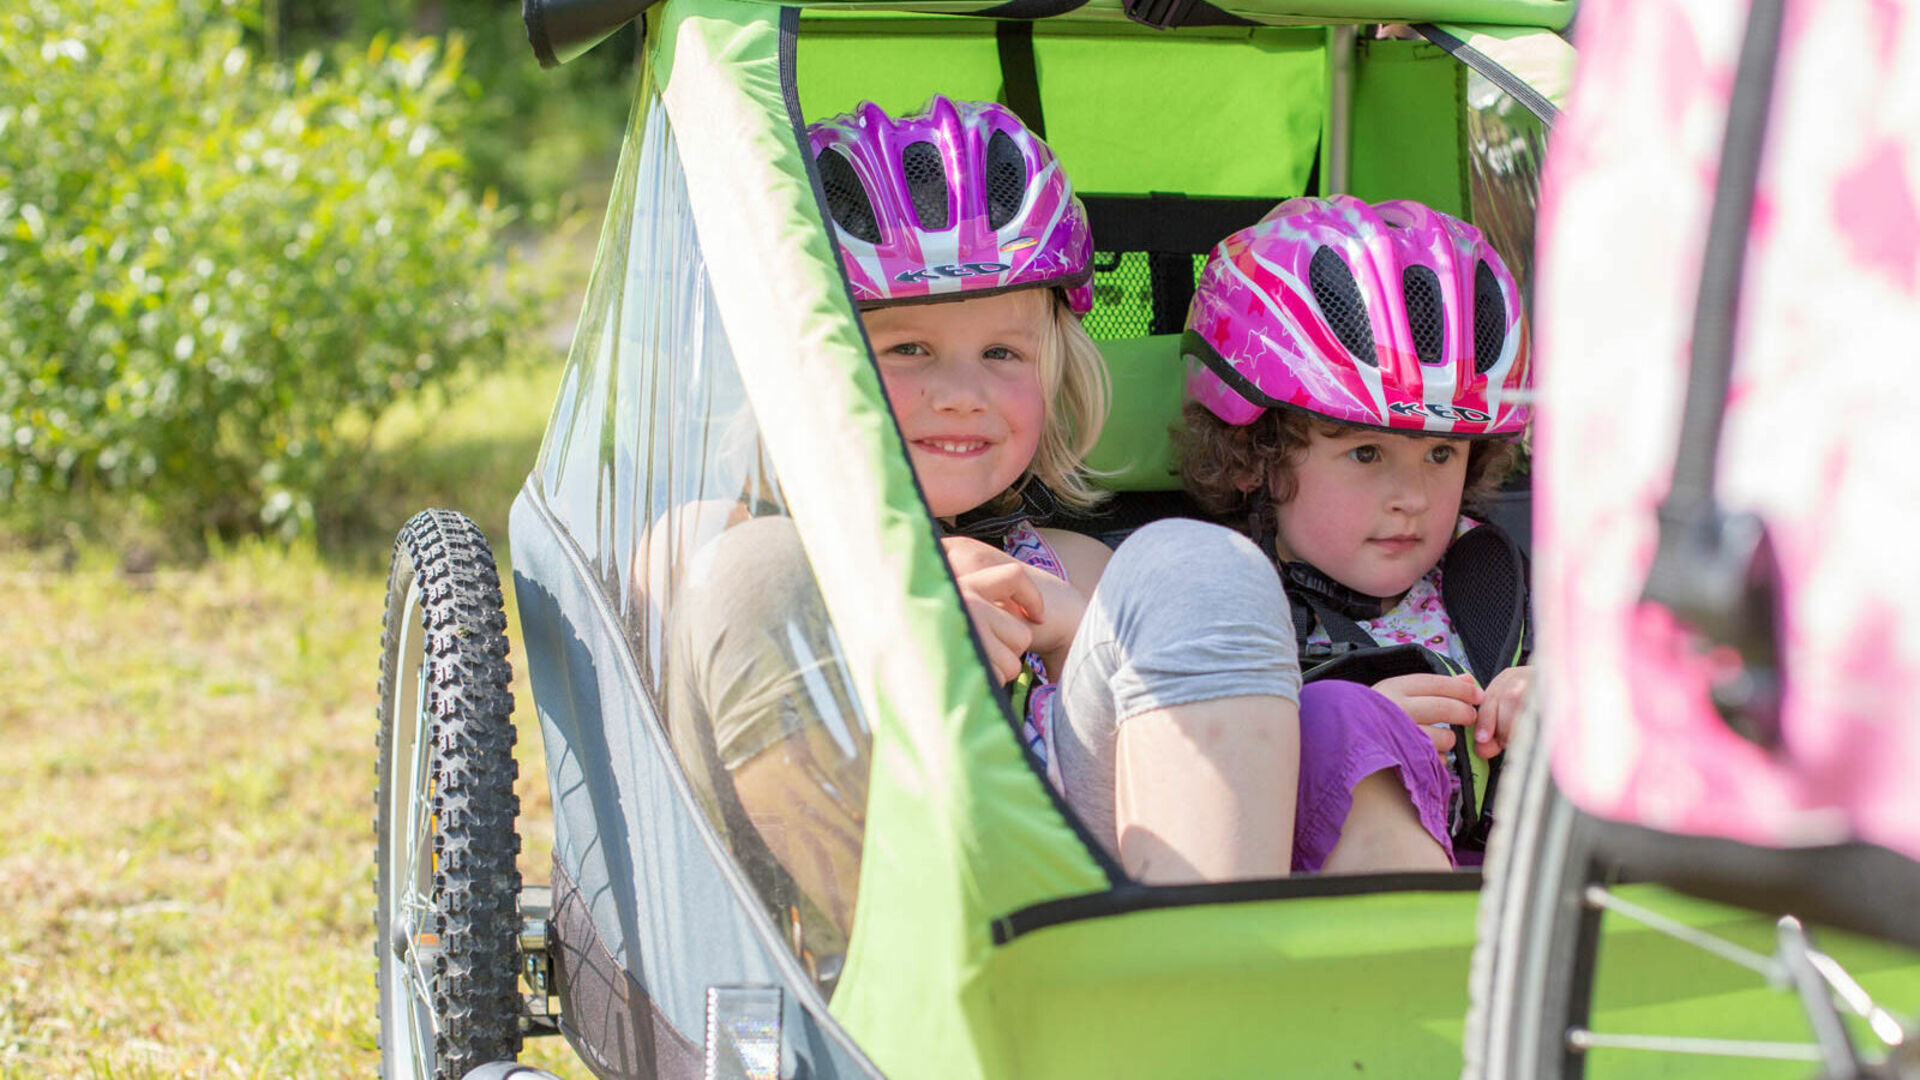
1884,1024
419,842
417,791
423,990
422,1064
1795,966
1767,967
1583,1040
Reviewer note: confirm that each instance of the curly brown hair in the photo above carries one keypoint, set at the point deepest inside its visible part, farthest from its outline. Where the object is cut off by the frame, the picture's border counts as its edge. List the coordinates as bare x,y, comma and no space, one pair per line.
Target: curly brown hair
1226,467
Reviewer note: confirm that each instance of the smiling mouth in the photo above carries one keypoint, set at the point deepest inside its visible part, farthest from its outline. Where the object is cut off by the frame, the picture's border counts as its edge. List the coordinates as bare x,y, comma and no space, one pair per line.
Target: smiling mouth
954,447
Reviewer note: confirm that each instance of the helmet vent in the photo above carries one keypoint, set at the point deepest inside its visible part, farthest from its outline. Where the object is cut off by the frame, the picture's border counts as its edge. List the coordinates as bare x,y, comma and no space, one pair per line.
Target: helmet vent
1006,180
1339,300
927,182
846,197
1425,315
1489,319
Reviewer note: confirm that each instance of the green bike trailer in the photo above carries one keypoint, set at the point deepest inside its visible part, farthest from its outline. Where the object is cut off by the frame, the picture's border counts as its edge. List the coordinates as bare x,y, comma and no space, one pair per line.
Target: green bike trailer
719,386
720,364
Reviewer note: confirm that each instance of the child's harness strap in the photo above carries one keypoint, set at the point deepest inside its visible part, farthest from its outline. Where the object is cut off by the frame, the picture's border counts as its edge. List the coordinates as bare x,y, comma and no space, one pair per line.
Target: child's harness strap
1483,584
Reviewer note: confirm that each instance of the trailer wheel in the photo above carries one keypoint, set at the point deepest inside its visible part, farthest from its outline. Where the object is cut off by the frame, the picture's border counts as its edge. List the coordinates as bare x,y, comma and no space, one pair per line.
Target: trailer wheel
1552,878
1533,955
446,885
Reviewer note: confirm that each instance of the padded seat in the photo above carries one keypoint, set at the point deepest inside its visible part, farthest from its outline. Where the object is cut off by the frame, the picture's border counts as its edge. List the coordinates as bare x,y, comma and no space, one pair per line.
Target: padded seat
1134,457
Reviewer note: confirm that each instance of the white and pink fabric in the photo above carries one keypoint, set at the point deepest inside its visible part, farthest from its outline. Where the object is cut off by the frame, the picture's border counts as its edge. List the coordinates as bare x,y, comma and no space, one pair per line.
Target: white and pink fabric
1820,437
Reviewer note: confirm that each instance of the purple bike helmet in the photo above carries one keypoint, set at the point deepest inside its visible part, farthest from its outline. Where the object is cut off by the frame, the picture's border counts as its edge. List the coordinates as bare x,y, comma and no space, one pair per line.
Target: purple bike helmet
1392,315
960,198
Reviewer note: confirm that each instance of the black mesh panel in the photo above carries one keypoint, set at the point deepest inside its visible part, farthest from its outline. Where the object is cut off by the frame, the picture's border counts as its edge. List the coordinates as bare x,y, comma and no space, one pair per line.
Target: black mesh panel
1339,299
1124,302
846,198
927,182
1489,319
1426,317
1484,586
1006,179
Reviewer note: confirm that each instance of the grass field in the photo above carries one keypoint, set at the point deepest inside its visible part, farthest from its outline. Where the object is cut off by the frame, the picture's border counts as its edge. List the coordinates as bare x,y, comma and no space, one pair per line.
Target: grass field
186,791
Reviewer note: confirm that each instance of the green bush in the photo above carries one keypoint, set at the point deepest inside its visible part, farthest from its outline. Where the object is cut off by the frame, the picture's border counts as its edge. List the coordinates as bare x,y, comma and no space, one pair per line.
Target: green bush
533,134
216,269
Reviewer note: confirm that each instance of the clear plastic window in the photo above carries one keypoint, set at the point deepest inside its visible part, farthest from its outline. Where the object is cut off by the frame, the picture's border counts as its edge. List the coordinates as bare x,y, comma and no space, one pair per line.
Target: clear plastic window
655,466
1507,144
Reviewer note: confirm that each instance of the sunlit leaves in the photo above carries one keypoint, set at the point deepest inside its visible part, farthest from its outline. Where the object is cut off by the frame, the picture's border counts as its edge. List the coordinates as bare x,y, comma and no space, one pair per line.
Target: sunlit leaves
209,259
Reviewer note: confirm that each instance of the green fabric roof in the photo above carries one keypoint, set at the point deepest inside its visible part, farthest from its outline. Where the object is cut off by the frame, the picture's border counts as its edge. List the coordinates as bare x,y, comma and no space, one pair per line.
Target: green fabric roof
1551,14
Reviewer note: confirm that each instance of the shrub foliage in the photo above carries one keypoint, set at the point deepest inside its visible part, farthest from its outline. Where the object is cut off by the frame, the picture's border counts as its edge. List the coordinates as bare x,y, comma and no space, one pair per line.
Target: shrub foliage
210,261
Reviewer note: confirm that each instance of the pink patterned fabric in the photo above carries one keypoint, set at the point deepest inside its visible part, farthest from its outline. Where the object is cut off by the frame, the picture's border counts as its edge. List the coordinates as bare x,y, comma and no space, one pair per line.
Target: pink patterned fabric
1025,543
1045,241
1264,330
1418,619
1819,432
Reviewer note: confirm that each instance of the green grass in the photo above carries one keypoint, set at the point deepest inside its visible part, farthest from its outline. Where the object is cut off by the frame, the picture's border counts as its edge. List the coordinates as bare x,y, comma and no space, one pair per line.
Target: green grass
186,793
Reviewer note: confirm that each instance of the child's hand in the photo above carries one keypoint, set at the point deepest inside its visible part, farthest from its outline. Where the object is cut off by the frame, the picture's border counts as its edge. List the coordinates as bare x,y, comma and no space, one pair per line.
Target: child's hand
991,600
1048,608
1505,697
1438,703
1001,603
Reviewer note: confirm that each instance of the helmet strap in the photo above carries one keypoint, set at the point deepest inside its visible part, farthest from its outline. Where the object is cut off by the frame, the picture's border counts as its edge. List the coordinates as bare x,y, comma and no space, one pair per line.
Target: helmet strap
1308,580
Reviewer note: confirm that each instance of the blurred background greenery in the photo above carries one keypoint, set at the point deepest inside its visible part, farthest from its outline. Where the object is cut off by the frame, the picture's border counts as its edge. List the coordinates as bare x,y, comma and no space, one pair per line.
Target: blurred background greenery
235,234
274,275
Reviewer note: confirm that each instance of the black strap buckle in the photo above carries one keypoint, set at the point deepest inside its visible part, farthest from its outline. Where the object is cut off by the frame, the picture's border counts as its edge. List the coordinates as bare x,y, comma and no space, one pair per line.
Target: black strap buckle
1159,14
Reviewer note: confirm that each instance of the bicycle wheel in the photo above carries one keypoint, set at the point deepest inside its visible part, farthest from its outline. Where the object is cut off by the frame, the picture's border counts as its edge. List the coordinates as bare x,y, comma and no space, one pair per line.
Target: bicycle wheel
1588,963
446,924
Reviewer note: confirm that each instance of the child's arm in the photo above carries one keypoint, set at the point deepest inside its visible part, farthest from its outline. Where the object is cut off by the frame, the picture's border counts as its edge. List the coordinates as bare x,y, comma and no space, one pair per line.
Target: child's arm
1085,560
1084,557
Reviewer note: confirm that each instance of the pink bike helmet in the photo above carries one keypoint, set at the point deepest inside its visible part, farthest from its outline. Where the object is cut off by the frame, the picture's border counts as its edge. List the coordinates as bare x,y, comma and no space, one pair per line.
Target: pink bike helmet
1394,316
960,198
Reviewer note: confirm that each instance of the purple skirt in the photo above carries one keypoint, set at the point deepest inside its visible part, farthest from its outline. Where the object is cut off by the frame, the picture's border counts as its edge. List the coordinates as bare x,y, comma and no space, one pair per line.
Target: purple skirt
1348,732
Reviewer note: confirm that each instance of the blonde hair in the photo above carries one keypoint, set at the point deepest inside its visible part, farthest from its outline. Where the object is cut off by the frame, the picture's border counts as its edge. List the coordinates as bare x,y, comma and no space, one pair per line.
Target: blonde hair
1073,377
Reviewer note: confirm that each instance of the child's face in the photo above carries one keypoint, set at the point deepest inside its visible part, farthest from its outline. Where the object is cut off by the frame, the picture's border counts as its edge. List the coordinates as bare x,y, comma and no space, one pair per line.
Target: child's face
964,382
1372,510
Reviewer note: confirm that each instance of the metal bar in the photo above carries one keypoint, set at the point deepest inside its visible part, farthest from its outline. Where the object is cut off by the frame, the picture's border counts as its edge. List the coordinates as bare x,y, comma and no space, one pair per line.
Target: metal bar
1583,1040
1510,84
1829,1030
1884,1024
1340,46
1598,896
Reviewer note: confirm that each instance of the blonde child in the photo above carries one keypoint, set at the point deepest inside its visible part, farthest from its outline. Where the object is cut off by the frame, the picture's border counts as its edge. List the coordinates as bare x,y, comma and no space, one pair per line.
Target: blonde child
972,261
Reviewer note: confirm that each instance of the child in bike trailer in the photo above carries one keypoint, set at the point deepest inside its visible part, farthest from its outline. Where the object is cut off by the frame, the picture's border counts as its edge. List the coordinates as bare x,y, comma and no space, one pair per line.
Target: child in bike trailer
1357,376
971,261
